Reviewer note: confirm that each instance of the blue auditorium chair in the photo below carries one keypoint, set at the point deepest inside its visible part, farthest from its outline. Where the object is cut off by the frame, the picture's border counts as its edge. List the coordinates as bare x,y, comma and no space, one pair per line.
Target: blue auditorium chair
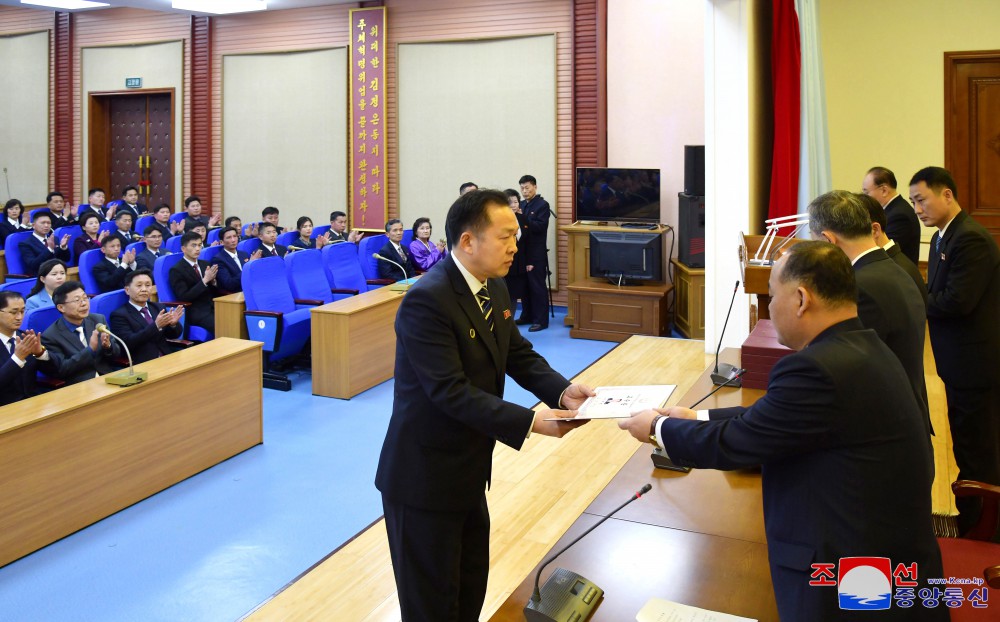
41,318
12,253
23,286
246,228
407,238
178,217
173,244
366,248
31,214
208,253
318,231
88,260
165,295
138,247
249,246
214,236
274,316
144,221
107,302
73,231
109,226
343,269
286,238
307,278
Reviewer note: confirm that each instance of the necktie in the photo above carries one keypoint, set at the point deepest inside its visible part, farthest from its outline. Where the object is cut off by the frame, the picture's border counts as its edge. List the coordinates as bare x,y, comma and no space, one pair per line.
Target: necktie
83,339
197,269
146,316
484,300
10,346
937,244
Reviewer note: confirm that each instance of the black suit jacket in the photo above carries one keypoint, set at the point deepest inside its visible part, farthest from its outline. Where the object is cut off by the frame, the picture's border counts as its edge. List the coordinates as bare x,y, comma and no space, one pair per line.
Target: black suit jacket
847,468
123,239
62,221
6,229
145,341
35,253
963,304
448,411
387,270
136,211
895,253
536,214
189,287
109,277
903,227
73,362
146,259
16,382
520,265
230,276
163,229
279,251
890,304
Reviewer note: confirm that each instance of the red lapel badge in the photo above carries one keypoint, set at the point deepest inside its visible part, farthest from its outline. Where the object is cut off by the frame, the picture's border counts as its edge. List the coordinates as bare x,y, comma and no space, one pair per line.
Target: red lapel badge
506,314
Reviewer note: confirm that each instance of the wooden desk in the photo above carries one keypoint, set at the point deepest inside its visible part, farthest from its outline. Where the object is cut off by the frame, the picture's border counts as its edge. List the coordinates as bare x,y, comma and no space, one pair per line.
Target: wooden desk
79,454
615,313
354,343
696,538
229,320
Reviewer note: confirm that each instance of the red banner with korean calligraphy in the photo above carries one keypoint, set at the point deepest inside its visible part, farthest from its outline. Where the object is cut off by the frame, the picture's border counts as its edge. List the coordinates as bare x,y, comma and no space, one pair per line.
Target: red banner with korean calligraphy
369,208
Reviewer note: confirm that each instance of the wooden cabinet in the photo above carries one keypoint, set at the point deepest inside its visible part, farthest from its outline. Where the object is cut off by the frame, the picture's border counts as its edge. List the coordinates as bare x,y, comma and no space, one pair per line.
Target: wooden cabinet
614,313
689,300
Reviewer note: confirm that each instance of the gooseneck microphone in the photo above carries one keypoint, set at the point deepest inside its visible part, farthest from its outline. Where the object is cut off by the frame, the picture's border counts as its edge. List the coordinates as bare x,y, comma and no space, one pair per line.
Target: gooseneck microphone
566,592
122,379
726,374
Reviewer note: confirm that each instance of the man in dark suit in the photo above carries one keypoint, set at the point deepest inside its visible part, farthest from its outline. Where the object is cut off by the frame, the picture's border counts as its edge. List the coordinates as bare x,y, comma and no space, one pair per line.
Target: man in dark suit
123,230
78,351
888,301
394,250
62,215
145,326
890,247
193,281
338,229
95,203
230,262
146,259
42,246
901,223
517,277
111,270
268,234
846,466
455,341
130,204
167,229
192,205
963,307
535,304
21,352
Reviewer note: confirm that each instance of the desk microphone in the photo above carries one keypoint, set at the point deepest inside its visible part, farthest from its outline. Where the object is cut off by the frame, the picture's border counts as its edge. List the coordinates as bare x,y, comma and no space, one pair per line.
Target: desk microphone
725,374
397,286
122,379
566,592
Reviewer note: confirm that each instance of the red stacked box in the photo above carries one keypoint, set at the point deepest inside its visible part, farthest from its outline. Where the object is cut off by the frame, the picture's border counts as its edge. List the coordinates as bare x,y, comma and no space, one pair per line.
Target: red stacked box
760,352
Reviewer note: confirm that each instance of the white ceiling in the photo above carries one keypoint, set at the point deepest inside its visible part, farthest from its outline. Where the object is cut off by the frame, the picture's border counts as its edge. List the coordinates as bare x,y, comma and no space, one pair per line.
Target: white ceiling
164,5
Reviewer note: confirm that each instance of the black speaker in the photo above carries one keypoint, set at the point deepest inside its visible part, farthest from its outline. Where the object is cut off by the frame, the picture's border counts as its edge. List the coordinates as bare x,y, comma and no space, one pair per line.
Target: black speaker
694,170
691,233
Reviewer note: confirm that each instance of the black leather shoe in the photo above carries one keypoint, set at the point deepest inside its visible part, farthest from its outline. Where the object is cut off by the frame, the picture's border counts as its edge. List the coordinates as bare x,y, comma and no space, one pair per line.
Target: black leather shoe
522,322
536,327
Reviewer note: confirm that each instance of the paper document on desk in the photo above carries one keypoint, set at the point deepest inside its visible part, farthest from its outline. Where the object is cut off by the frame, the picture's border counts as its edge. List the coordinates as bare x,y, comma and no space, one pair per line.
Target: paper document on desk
623,402
659,610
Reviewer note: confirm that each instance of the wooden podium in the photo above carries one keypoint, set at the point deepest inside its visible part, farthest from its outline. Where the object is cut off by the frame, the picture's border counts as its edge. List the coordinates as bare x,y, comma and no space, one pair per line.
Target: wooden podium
755,277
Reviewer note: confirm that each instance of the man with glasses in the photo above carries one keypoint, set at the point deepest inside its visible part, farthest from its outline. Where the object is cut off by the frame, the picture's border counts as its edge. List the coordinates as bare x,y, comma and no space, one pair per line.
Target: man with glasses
78,350
902,225
154,240
21,352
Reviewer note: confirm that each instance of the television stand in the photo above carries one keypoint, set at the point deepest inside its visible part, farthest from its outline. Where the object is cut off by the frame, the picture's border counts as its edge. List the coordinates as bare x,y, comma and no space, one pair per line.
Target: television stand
619,281
640,225
611,313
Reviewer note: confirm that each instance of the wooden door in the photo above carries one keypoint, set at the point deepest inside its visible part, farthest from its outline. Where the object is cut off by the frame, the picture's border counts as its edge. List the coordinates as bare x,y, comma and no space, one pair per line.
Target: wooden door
972,133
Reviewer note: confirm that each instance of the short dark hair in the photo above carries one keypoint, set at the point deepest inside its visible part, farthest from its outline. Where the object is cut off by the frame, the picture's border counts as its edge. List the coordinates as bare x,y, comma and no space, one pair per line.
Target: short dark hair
337,214
8,295
469,213
122,213
267,211
88,216
151,229
875,211
43,271
391,222
40,213
937,179
191,199
229,221
528,179
12,203
64,290
468,184
109,239
301,222
191,225
512,194
225,230
839,211
266,225
52,195
93,191
140,272
420,221
190,236
127,188
823,269
161,206
882,176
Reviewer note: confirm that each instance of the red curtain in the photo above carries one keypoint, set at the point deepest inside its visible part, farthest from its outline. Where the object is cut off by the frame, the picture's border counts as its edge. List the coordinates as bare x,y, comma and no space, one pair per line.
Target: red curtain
785,69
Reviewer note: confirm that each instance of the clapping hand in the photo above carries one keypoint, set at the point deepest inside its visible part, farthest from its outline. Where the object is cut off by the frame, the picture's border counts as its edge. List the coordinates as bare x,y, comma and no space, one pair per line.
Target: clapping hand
210,273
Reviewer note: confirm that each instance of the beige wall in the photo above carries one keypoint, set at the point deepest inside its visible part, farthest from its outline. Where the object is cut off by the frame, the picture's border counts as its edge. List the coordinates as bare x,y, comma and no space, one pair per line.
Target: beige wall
24,116
884,70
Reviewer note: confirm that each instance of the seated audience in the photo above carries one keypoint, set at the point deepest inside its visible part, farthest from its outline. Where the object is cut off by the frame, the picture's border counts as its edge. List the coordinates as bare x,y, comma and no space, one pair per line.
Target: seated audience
130,204
21,352
110,272
145,326
14,219
270,214
78,351
304,226
200,229
234,222
268,236
51,275
193,281
95,203
42,245
61,215
230,262
893,250
153,238
338,229
161,220
123,224
92,235
192,205
423,252
393,251
468,186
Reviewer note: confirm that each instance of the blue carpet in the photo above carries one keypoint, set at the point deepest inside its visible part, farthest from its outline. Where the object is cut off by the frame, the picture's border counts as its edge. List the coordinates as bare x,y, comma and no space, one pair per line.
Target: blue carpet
216,545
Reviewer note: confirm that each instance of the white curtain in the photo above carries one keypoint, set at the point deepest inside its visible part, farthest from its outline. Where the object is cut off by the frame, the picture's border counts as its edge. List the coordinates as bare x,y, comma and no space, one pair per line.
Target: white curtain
814,155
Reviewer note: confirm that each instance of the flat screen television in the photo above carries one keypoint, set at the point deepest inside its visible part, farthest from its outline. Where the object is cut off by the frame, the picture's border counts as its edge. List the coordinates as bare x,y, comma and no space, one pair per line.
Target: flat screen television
626,256
628,195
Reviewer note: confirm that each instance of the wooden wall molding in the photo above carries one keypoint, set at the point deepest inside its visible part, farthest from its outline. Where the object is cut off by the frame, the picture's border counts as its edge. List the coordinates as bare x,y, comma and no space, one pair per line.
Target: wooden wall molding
590,104
63,177
201,113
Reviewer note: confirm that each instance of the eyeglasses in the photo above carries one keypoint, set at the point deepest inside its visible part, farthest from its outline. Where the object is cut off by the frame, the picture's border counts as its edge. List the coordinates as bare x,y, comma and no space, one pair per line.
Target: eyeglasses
76,301
14,312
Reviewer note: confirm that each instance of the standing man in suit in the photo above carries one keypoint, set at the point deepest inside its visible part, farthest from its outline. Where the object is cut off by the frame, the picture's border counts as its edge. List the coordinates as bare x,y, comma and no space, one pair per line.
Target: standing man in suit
230,262
154,249
901,223
193,281
394,250
455,341
535,304
846,466
338,229
963,307
110,272
145,326
21,352
888,301
78,351
42,246
268,235
890,247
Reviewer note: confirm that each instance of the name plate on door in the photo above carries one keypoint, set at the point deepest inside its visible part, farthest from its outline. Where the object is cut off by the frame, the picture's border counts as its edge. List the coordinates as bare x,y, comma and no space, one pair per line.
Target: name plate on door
133,83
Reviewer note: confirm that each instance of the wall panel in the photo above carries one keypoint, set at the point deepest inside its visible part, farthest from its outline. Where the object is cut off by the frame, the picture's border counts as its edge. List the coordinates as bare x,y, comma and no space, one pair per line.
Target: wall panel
24,116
